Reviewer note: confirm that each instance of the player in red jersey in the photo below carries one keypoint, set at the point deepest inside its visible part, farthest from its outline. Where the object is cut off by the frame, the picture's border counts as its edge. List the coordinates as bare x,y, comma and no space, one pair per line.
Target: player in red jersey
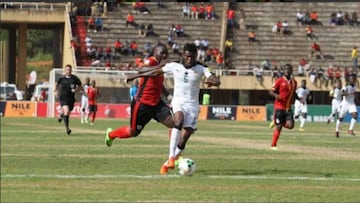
283,92
147,103
93,93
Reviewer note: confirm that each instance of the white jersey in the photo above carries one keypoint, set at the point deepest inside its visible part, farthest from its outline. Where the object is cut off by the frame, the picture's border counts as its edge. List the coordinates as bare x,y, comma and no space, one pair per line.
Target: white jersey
349,90
186,82
337,94
336,100
303,93
348,101
84,97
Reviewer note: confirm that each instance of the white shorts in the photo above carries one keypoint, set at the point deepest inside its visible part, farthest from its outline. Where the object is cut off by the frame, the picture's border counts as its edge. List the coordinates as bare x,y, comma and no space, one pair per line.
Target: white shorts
190,114
335,106
84,103
346,107
299,108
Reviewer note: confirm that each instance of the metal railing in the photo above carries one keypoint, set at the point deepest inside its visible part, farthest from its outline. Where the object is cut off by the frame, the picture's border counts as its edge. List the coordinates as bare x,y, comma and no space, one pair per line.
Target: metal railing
33,6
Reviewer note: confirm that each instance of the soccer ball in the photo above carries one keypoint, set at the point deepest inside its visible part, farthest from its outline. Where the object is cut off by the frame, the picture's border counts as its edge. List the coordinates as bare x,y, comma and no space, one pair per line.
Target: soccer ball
186,167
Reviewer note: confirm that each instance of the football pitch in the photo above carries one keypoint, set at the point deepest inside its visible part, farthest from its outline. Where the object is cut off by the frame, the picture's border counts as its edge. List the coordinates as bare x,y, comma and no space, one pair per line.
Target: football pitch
40,163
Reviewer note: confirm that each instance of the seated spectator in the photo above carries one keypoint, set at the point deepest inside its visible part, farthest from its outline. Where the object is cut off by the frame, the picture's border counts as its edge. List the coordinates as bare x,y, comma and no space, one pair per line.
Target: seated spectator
339,18
300,18
91,24
186,10
316,48
172,31
179,30
108,53
266,64
310,33
100,53
150,30
321,76
118,47
147,49
258,73
108,65
197,43
338,73
312,76
220,60
98,24
279,27
302,67
140,7
194,13
307,18
285,26
139,62
354,19
95,62
204,44
130,19
133,48
201,10
88,41
330,74
251,37
230,13
91,52
314,18
126,48
207,56
176,49
333,21
214,53
170,41
274,29
142,30
209,12
347,18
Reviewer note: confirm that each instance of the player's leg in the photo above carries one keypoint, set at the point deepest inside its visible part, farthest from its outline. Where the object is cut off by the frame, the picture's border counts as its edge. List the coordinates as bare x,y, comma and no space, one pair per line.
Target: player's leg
303,117
67,110
333,111
353,112
279,116
82,112
342,112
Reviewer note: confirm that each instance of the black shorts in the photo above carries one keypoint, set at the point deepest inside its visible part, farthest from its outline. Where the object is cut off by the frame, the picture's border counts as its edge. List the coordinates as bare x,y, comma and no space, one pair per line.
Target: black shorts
67,102
281,116
141,114
93,108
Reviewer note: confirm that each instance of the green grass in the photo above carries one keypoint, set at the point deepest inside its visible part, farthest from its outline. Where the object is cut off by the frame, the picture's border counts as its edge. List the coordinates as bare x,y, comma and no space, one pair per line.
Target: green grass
39,163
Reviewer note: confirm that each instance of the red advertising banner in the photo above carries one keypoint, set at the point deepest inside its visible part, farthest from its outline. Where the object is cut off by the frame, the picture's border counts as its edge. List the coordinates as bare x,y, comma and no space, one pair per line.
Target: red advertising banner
104,110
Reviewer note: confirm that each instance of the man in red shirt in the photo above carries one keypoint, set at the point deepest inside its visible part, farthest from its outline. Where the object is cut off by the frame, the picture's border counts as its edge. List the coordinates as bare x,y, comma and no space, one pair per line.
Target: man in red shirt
93,93
147,103
283,92
315,47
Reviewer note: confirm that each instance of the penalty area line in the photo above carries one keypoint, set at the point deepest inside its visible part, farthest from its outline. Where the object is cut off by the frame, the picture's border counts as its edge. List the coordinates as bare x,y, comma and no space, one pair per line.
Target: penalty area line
176,176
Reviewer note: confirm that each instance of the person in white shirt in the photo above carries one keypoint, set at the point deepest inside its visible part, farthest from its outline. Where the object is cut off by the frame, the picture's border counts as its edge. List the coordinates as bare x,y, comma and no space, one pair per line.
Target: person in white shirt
347,105
300,18
336,95
188,75
84,101
300,109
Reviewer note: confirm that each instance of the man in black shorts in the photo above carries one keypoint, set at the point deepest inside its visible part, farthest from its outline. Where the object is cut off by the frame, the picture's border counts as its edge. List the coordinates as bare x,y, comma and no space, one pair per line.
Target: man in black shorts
67,85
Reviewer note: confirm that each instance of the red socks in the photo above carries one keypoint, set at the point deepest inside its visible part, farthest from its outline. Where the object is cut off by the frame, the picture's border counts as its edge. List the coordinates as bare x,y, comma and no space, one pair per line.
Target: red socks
122,132
276,135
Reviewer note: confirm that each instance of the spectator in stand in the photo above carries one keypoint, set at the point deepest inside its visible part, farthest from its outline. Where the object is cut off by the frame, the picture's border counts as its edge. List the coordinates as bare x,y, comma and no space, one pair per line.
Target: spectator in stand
208,55
279,27
285,27
194,13
108,53
230,13
302,67
133,48
108,65
91,24
126,48
307,18
312,76
258,73
252,37
339,18
142,30
266,64
197,43
186,10
150,30
354,19
209,12
316,48
176,49
338,73
118,47
310,33
172,30
353,73
179,30
354,57
314,18
242,19
91,52
147,50
139,62
140,7
100,54
347,18
88,41
201,10
214,53
130,19
320,76
220,61
98,24
330,74
274,29
333,19
229,45
300,18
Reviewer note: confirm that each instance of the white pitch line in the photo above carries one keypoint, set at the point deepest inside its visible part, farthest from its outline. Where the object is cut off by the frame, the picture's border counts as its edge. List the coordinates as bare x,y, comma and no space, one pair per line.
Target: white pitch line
172,176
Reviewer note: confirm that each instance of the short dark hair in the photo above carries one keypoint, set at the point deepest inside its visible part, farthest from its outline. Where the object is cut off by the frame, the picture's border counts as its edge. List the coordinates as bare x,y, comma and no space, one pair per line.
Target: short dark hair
190,47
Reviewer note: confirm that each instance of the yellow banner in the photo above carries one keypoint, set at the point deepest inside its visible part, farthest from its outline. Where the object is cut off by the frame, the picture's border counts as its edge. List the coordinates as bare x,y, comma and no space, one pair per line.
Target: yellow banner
251,113
20,109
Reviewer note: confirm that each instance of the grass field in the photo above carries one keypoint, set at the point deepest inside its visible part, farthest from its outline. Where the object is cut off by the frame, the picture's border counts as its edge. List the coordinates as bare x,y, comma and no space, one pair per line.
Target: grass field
39,163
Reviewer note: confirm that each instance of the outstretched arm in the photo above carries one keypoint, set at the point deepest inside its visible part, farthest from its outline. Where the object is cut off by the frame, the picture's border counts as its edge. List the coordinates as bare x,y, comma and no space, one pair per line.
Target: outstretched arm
150,72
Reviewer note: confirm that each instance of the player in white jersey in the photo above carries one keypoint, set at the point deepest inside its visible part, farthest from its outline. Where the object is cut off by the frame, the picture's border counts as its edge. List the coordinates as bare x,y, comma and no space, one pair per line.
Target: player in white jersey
300,106
348,105
188,75
84,101
336,95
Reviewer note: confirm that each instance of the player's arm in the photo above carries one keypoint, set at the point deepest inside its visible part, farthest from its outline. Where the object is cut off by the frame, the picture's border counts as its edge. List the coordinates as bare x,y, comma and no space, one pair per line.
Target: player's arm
273,91
166,93
153,72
